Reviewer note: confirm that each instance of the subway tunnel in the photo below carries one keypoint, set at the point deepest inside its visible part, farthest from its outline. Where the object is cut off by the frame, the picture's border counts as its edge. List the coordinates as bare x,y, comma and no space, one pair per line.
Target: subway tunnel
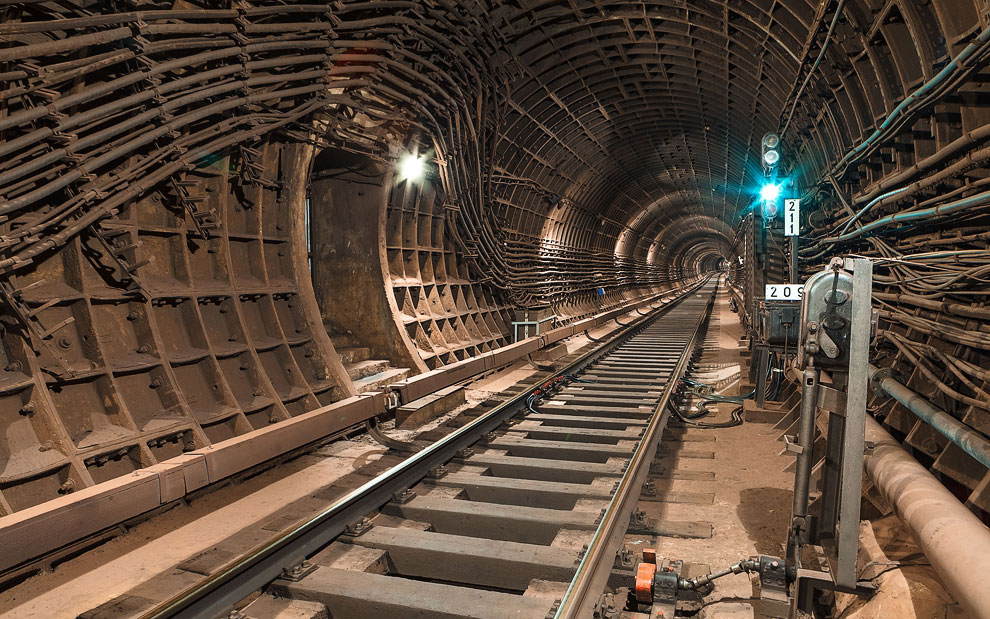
219,216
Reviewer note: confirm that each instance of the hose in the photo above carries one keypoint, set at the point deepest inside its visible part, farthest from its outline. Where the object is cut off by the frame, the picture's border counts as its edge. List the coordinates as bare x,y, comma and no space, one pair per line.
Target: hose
735,418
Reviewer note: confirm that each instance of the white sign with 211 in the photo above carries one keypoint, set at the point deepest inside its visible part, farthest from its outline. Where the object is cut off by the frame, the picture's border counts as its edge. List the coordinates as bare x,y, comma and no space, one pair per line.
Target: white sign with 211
792,217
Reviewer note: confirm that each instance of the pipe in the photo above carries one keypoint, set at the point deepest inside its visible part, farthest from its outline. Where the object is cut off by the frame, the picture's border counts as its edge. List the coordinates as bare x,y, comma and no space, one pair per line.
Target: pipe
818,61
802,469
955,541
980,199
967,439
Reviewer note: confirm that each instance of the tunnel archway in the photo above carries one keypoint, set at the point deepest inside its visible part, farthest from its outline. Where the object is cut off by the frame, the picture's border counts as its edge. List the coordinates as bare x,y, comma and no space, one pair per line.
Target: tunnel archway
165,151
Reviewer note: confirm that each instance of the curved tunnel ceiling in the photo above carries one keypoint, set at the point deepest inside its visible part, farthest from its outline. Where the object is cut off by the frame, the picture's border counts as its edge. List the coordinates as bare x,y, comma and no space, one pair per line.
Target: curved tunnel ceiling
588,128
649,113
652,107
156,158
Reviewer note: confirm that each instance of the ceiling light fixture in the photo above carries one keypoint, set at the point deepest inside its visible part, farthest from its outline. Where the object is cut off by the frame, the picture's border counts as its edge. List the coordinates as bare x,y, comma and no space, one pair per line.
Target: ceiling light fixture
412,168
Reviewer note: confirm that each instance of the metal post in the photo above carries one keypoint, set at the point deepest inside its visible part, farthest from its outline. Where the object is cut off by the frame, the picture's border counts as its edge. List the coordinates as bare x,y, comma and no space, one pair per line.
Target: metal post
831,481
855,422
806,440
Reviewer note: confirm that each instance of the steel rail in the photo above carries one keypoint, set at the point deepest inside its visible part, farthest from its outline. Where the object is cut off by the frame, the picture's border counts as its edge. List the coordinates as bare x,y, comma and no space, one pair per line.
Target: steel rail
233,582
591,578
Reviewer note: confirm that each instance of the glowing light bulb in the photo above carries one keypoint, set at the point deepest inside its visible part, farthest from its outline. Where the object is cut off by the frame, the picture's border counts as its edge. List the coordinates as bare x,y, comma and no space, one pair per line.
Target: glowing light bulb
412,168
770,192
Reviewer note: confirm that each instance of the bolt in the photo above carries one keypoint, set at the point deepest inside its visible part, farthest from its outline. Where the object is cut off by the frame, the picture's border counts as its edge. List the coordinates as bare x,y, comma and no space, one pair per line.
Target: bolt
64,342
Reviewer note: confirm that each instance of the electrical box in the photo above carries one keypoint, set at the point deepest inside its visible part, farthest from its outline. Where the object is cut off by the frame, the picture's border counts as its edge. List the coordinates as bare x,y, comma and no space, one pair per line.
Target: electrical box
826,316
778,323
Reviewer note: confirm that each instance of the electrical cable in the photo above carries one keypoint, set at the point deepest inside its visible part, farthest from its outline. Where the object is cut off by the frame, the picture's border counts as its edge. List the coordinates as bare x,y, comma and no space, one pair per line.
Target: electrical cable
734,420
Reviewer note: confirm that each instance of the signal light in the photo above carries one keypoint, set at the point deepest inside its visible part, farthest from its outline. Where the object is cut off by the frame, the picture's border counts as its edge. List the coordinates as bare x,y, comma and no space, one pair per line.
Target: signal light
770,192
771,152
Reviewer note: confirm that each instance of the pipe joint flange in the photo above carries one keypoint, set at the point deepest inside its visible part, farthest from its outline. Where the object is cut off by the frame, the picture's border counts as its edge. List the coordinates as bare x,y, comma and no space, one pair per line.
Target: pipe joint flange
877,377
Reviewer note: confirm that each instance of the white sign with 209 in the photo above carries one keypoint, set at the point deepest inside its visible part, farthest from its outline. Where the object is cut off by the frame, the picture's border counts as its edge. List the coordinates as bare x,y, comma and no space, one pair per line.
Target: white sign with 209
784,292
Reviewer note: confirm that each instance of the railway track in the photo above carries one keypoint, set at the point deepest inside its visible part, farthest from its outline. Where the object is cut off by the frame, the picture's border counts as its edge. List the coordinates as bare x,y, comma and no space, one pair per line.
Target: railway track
519,513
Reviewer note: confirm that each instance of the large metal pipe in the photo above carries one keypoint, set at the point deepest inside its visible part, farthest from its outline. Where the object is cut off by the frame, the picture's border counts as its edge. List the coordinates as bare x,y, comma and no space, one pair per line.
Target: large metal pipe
956,543
968,439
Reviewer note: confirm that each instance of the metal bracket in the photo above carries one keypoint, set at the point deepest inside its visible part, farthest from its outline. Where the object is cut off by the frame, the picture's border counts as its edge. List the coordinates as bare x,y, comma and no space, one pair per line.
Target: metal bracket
357,529
404,497
831,399
624,559
298,572
791,444
391,400
665,587
877,377
437,472
773,578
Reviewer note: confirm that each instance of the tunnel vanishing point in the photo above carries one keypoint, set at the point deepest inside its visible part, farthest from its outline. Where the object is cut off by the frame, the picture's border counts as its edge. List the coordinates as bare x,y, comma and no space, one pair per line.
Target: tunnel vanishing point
259,224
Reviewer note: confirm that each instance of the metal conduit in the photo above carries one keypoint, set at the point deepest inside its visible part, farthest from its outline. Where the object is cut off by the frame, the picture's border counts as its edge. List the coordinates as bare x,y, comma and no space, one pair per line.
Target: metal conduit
955,541
969,440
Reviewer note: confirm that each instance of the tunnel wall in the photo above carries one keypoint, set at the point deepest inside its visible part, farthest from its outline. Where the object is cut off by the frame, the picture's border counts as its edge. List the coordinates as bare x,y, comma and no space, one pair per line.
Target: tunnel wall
180,321
580,146
896,123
